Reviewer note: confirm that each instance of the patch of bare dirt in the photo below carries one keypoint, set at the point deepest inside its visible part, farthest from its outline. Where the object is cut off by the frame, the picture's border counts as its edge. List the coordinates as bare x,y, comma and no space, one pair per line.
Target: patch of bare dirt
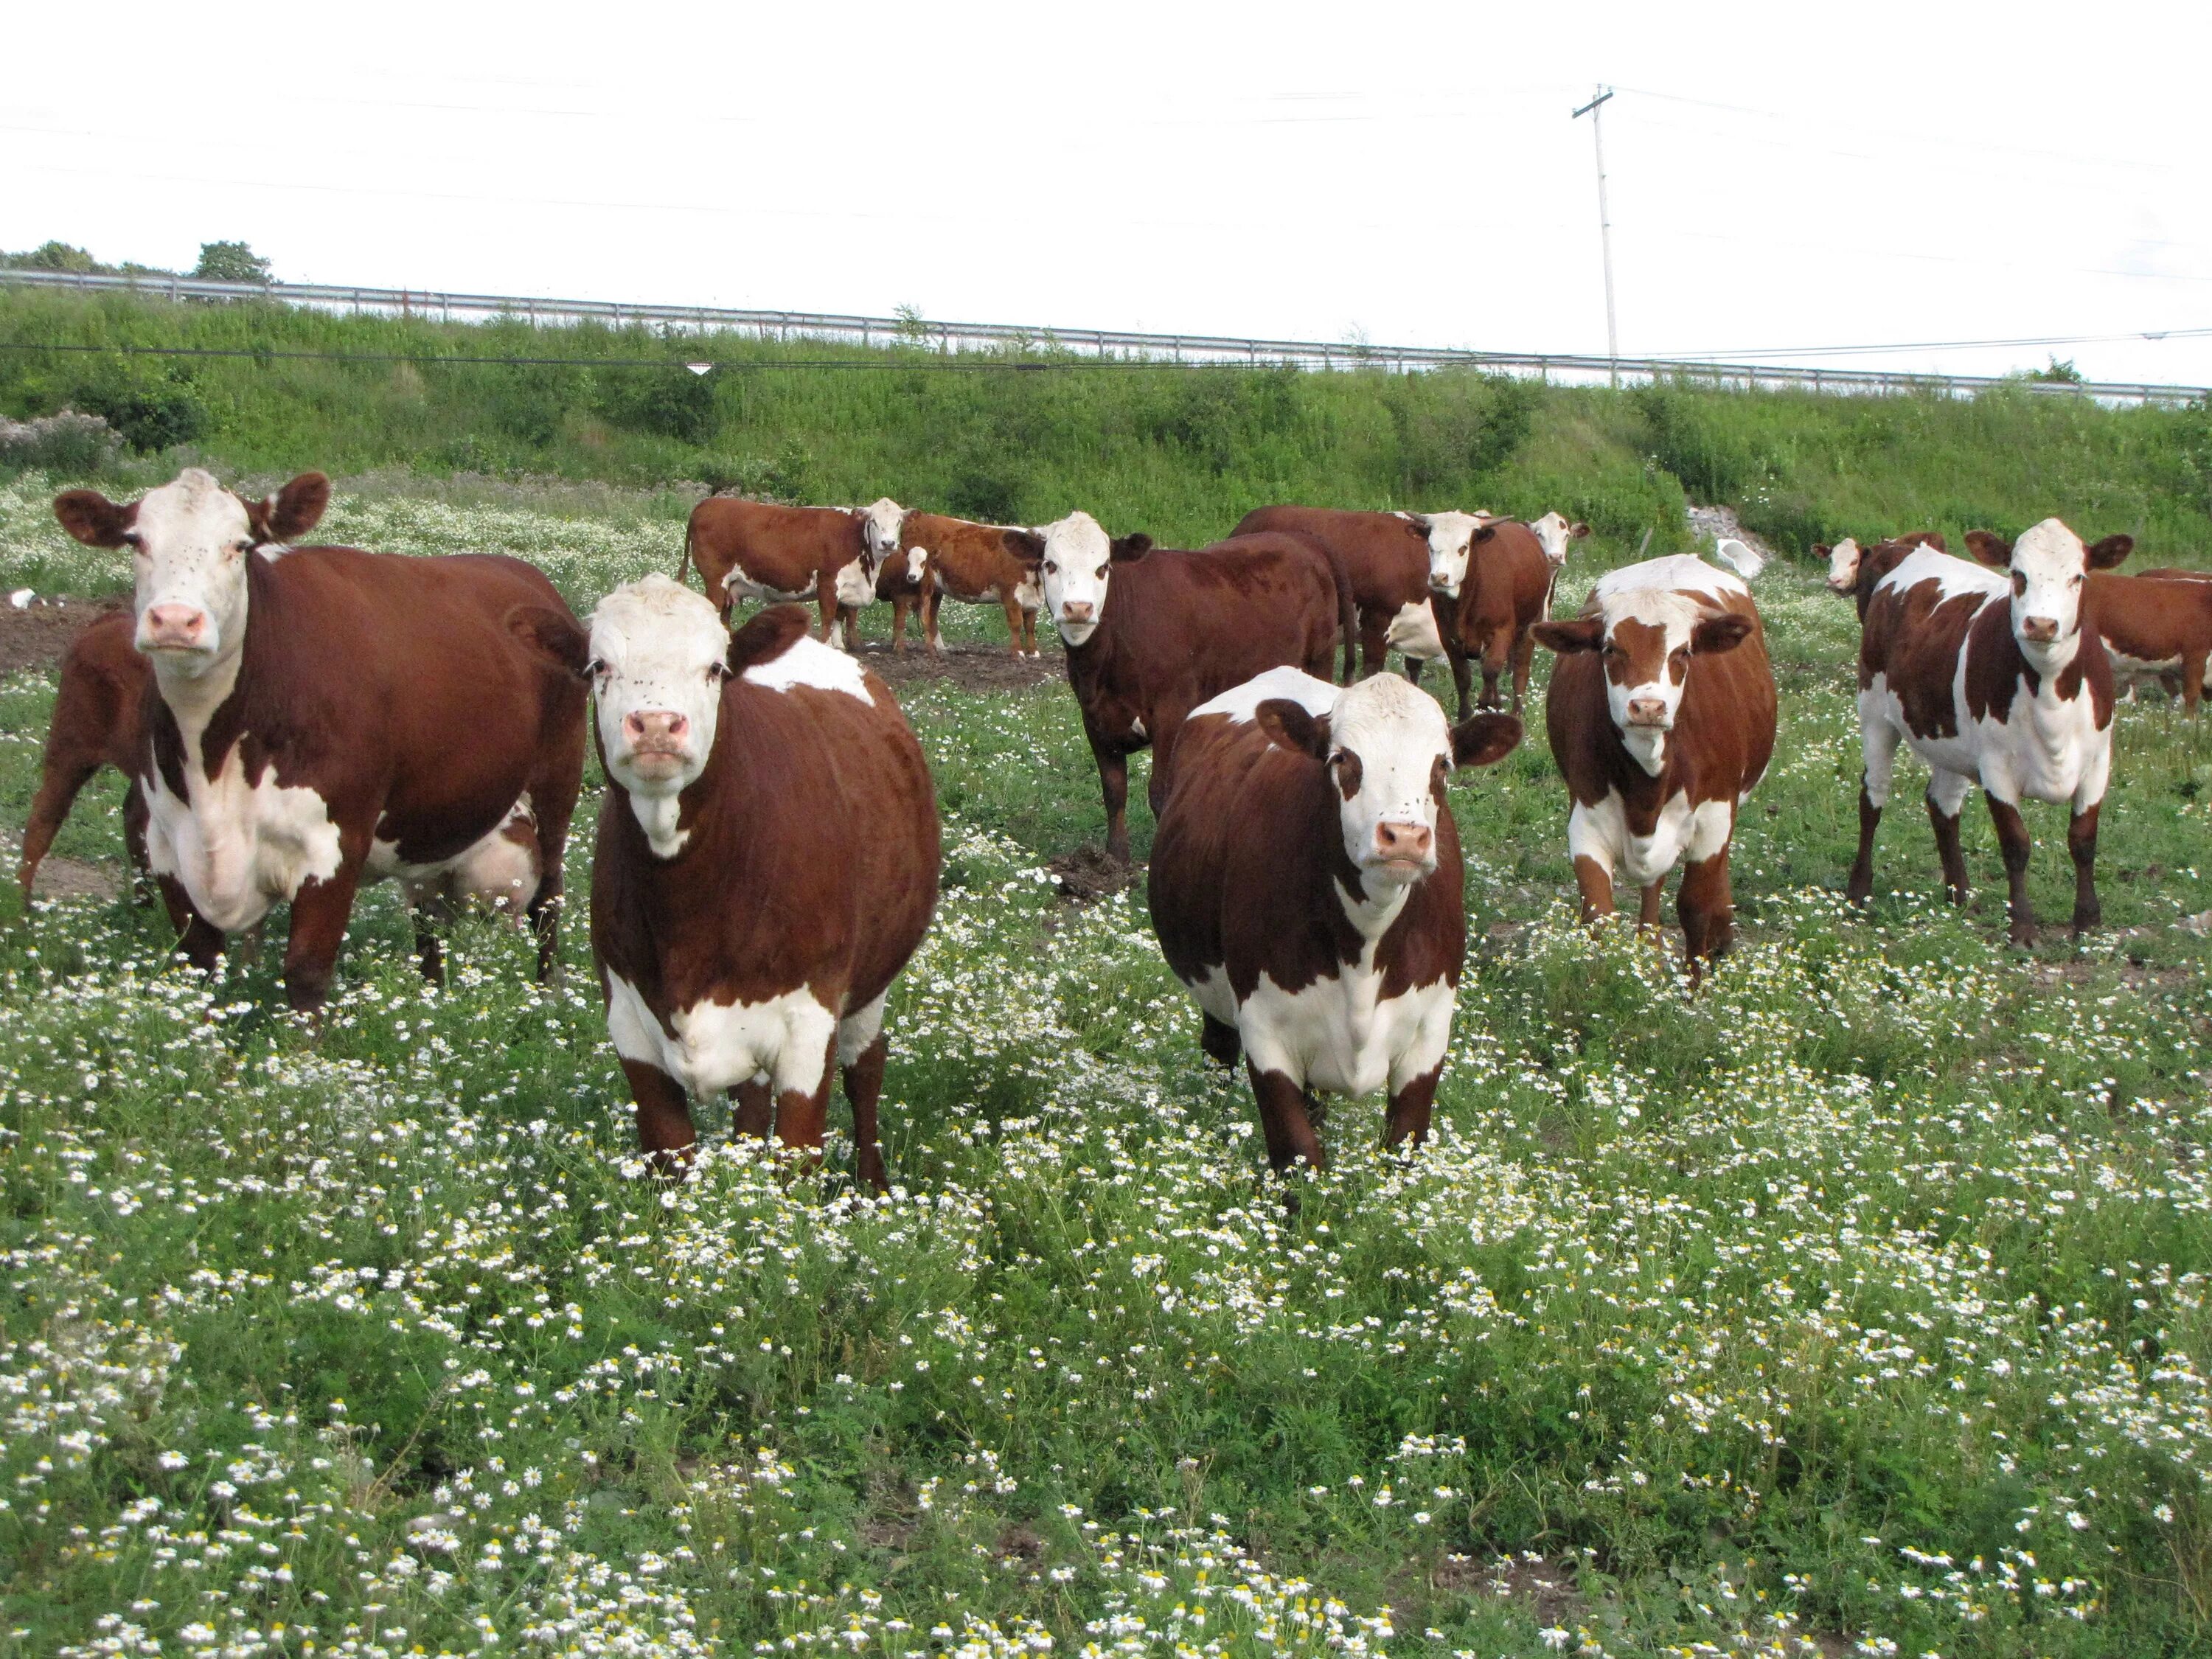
1543,1585
36,635
1091,873
1716,524
65,877
971,667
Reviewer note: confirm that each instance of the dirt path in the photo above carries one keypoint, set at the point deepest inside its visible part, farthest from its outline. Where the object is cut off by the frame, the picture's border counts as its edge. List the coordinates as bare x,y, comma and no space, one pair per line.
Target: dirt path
36,635
971,667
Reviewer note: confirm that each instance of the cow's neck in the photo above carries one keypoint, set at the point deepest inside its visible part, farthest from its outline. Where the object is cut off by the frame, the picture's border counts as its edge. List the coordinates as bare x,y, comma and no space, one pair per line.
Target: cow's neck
659,817
193,699
1646,747
1370,909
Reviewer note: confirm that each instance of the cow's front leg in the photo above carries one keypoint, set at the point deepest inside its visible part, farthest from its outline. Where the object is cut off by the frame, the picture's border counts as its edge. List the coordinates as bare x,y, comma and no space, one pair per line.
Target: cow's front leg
825,601
2013,840
2082,843
199,941
1284,1120
1411,1104
863,1077
320,910
1707,908
1113,785
664,1134
802,1098
1462,672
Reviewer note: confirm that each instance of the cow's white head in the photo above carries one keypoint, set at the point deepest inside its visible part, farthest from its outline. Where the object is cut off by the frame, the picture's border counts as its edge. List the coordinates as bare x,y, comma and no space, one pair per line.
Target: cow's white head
2049,568
1647,636
881,520
189,541
1554,532
1842,565
1387,748
1075,559
1451,538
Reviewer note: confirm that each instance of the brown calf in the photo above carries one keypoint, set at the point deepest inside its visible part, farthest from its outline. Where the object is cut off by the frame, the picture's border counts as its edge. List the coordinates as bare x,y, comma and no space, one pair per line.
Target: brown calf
2155,626
1385,558
98,721
758,550
976,564
1507,590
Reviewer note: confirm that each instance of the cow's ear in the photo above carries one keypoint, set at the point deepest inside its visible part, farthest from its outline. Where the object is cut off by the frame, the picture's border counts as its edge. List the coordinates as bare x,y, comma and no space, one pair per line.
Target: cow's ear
553,635
292,512
1821,550
1571,634
1482,535
2109,551
1486,740
1420,521
1723,631
765,638
1289,723
93,519
1025,545
1989,548
1128,550
1576,532
1934,538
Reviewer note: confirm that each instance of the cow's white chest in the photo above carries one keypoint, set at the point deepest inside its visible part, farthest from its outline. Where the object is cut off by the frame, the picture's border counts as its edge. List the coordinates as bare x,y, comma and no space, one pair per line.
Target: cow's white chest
855,588
1681,833
784,1040
237,847
1339,1033
2047,748
1413,633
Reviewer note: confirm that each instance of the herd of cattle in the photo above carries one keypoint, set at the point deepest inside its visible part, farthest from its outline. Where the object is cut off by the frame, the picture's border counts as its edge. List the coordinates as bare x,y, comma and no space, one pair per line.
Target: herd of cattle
295,720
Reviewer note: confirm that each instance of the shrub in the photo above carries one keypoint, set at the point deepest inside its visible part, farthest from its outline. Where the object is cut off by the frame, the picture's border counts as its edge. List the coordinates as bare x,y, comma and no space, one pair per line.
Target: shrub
75,445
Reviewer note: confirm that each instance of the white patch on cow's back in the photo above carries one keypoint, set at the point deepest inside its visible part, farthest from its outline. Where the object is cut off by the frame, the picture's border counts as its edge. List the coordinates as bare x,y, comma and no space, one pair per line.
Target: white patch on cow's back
1955,577
237,847
1676,572
716,1046
1242,702
809,662
1413,632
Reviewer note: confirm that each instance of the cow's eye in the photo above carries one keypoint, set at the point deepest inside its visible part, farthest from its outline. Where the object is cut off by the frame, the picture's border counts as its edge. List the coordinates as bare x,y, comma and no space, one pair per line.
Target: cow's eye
597,669
134,541
1050,568
2078,581
2019,582
1101,573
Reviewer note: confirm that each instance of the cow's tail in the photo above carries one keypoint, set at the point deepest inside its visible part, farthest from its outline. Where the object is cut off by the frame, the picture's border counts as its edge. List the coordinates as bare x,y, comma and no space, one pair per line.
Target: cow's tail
685,564
1347,614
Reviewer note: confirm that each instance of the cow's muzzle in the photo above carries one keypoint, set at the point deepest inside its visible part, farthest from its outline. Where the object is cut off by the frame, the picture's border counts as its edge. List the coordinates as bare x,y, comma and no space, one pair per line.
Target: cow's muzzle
174,628
2040,631
1650,713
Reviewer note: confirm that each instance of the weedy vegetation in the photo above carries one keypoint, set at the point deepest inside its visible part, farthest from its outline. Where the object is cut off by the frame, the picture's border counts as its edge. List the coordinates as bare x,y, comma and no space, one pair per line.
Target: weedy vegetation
1855,1304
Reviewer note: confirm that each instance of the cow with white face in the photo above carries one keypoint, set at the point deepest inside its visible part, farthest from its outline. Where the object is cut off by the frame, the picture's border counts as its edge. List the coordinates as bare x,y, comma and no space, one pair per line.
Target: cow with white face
767,862
327,716
1661,718
1074,568
1450,537
1556,534
1305,886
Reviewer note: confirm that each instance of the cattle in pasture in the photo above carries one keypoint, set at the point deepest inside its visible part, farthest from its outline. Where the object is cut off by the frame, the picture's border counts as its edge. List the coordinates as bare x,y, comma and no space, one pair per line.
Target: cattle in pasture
99,720
1386,558
326,716
1150,633
1305,886
1854,571
1507,590
903,582
776,555
2154,627
767,862
1450,537
976,564
1991,673
1557,535
1660,715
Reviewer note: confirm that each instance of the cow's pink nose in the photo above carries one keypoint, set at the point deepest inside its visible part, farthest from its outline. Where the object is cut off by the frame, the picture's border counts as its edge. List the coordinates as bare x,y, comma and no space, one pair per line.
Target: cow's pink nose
1647,711
654,727
1402,841
175,624
2041,629
1076,610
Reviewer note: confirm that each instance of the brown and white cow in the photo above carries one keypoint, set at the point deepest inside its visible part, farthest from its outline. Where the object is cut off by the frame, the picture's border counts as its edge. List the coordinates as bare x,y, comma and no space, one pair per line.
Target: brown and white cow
1305,886
777,555
1387,558
2154,627
1507,590
1151,634
767,862
903,582
1991,673
324,716
1661,714
99,720
1451,538
976,564
1559,535
1854,571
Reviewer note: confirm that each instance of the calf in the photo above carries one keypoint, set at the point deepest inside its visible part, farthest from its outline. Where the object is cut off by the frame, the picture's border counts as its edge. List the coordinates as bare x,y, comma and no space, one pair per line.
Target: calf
1152,634
1660,715
976,564
97,721
758,550
767,862
903,582
1306,888
1387,559
325,716
1507,592
2154,627
1995,676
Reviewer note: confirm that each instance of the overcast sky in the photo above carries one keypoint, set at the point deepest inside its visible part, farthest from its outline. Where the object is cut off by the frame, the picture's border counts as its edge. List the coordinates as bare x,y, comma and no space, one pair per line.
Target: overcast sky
1782,176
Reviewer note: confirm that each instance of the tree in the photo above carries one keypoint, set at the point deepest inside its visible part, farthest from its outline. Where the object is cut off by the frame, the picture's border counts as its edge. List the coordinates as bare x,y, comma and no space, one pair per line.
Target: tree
54,256
230,262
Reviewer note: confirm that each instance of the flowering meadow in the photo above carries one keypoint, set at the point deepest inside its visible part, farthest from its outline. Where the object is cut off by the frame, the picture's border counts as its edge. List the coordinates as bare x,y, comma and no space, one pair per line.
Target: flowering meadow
1855,1303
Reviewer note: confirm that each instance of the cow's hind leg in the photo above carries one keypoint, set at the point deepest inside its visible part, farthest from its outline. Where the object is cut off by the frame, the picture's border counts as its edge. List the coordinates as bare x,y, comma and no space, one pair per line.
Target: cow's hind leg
2013,840
1653,897
1219,1040
1878,741
1113,785
1524,660
752,1108
802,1112
57,791
1947,798
664,1134
1284,1121
1374,641
2082,843
862,1050
432,913
199,941
1462,672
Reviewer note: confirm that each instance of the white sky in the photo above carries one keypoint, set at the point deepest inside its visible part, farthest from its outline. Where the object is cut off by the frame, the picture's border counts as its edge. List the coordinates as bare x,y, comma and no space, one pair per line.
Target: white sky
1782,175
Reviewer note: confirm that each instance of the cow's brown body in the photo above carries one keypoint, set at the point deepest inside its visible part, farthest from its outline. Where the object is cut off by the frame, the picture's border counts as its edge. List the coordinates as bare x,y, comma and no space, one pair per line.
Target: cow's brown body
903,582
1179,627
974,563
1507,593
1385,558
2155,626
758,550
99,720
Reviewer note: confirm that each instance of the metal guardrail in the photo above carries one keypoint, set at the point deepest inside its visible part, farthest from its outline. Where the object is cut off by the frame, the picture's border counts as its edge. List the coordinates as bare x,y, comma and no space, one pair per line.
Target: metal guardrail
879,331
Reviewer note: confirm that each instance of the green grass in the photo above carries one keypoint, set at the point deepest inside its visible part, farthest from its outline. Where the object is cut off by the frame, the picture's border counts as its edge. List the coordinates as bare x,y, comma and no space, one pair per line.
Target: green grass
1861,1294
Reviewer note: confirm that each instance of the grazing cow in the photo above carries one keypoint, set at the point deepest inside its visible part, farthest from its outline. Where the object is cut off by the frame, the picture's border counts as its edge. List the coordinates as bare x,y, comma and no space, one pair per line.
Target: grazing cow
1506,593
767,862
1306,888
1660,715
2156,628
97,721
976,564
1996,676
326,716
1387,558
1152,634
758,550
